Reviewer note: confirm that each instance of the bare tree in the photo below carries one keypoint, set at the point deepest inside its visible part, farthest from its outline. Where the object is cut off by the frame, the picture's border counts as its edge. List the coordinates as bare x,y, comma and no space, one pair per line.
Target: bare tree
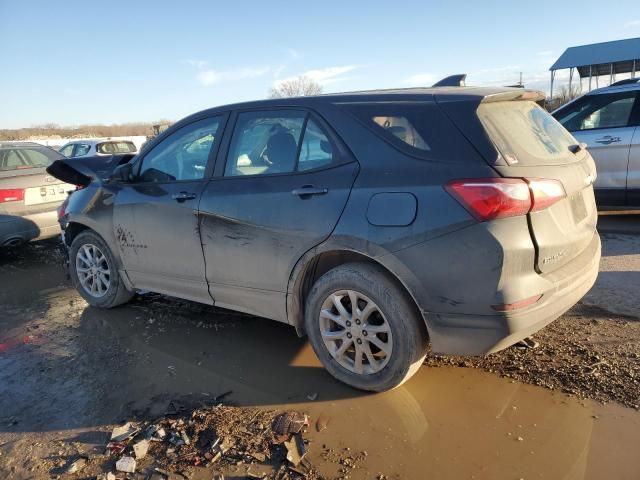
564,95
296,87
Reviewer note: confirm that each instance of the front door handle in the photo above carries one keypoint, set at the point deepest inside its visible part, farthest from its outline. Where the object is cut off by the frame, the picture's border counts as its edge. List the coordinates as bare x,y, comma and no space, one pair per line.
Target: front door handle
182,196
607,139
307,190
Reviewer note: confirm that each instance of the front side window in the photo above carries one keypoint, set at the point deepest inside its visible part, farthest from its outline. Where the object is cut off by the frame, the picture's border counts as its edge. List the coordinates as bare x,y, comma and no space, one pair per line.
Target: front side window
183,155
598,111
67,151
277,142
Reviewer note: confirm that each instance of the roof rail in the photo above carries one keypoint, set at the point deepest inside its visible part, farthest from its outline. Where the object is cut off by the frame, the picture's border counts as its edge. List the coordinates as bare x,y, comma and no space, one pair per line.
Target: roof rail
456,80
626,81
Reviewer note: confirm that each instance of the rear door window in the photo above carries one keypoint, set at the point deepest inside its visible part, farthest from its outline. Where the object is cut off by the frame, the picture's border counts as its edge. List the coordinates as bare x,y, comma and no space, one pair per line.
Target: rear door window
116,147
280,141
598,111
526,134
23,158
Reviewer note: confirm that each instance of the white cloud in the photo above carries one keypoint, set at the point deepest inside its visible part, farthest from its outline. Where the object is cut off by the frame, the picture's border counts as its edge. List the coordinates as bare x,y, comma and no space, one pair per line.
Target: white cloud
209,76
422,79
324,76
632,24
293,53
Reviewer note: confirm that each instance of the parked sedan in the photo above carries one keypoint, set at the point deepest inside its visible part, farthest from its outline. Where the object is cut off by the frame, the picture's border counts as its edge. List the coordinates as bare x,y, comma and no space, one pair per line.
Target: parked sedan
29,196
373,222
99,147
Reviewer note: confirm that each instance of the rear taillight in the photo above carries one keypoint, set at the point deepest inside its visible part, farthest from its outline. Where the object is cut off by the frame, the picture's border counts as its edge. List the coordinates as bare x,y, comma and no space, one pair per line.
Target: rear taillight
545,193
491,198
11,195
61,211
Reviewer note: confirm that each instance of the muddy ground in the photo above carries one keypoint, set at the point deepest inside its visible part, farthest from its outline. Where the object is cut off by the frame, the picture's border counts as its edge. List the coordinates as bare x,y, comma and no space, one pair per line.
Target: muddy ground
69,373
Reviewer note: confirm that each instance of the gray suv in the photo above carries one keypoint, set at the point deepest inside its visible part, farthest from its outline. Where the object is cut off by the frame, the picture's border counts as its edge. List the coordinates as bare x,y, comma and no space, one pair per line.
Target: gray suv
376,223
608,121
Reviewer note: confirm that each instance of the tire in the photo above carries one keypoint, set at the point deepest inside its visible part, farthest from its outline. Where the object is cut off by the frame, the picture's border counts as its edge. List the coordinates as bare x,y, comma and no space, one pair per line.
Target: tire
115,293
400,329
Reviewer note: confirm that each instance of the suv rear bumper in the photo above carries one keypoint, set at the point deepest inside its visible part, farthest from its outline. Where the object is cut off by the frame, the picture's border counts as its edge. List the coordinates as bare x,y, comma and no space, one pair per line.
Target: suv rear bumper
462,334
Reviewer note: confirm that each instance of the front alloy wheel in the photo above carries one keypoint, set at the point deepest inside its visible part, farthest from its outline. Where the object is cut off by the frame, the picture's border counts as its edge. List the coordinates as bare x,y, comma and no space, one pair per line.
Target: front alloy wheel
93,270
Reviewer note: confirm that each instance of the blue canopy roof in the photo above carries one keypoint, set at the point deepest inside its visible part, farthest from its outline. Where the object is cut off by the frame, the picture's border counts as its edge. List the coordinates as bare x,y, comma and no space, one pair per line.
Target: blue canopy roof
621,53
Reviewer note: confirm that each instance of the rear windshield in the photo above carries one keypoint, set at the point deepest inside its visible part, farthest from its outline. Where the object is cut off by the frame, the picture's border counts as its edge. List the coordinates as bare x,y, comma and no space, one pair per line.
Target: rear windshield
526,134
116,147
417,128
20,158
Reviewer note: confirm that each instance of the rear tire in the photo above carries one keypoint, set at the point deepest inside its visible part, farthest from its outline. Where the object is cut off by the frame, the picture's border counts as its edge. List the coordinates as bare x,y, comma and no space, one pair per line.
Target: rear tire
94,272
380,346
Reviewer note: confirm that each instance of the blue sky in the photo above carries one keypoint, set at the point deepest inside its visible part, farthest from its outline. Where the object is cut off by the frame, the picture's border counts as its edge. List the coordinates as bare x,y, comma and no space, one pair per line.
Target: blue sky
78,62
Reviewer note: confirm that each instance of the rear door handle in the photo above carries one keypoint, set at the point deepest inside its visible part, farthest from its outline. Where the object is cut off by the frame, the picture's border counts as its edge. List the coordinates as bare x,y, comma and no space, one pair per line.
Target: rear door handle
607,139
307,190
182,196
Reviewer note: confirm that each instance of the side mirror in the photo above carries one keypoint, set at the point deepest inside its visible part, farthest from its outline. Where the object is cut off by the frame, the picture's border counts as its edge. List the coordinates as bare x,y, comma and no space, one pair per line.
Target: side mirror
123,173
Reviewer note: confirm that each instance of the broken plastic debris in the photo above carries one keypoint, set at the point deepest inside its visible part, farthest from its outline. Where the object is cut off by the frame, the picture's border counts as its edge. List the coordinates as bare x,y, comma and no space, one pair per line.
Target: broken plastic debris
115,448
122,433
126,464
77,465
141,448
295,449
527,343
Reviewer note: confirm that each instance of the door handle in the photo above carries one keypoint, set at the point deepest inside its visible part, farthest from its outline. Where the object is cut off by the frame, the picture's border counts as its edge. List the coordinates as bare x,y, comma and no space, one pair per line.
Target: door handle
607,139
307,190
182,196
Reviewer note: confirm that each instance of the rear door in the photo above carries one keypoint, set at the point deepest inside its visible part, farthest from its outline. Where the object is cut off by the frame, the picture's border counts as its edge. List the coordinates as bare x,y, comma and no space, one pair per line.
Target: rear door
156,217
633,172
605,123
281,192
535,146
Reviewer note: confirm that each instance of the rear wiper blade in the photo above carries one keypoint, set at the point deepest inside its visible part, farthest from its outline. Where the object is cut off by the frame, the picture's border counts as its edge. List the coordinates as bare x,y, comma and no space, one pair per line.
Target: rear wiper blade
577,147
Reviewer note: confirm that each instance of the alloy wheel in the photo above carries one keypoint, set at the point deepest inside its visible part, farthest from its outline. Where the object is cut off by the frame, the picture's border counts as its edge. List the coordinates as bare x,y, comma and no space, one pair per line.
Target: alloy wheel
93,270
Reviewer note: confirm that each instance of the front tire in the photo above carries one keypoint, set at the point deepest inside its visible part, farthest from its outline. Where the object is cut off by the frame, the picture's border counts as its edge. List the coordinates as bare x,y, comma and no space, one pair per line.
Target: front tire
364,328
94,272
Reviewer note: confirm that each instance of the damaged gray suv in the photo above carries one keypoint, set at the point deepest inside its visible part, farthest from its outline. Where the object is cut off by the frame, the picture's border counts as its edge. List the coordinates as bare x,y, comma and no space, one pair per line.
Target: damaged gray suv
376,223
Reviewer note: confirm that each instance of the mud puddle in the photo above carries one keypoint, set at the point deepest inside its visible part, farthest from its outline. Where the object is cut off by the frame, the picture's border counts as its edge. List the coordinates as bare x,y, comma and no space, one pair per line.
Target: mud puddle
93,368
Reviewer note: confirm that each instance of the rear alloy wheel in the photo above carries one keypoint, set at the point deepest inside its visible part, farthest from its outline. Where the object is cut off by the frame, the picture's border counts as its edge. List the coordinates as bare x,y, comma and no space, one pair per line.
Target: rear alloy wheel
94,273
355,332
364,327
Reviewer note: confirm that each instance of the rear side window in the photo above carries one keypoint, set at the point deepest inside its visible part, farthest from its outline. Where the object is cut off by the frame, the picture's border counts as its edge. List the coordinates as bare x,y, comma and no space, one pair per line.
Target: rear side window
22,158
116,147
525,134
417,128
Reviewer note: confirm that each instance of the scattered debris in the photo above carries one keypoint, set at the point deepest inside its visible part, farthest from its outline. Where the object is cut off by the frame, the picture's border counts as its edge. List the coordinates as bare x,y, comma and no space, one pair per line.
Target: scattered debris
322,423
527,343
124,432
141,448
295,449
77,465
289,423
126,464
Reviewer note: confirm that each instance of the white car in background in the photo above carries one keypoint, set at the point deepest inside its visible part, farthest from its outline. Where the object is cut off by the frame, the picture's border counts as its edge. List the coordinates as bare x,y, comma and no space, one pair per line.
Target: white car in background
97,147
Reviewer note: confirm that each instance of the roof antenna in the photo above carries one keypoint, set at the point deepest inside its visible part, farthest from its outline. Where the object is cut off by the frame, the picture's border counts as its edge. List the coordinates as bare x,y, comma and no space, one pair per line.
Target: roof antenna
457,80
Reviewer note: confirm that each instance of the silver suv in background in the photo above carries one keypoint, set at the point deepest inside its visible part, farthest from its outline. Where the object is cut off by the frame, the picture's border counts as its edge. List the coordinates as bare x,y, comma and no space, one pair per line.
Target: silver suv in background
608,121
99,147
29,197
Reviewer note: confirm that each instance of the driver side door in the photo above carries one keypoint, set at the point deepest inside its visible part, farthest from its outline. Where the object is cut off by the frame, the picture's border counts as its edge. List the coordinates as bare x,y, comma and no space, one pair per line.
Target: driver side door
156,216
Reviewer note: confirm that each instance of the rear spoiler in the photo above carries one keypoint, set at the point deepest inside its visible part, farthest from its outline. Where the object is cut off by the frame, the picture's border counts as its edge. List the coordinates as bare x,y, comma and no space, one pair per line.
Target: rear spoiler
457,80
83,171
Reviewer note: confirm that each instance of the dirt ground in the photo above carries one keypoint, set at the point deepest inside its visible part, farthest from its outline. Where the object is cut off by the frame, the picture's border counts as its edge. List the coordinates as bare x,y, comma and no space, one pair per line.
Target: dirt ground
69,374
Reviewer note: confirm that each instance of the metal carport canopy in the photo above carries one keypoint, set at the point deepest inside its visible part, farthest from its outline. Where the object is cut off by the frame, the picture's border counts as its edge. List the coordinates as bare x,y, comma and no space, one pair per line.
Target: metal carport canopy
606,58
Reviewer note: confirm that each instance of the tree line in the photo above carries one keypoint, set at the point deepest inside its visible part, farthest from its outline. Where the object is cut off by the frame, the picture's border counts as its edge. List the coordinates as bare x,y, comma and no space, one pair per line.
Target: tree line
53,130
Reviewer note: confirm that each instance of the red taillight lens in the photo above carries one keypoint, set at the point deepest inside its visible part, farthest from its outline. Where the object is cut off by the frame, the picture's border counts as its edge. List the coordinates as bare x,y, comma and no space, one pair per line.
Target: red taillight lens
508,307
61,211
491,198
11,195
545,193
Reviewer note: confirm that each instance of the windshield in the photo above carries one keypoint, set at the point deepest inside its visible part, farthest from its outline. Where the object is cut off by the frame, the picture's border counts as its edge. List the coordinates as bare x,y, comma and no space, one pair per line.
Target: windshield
526,134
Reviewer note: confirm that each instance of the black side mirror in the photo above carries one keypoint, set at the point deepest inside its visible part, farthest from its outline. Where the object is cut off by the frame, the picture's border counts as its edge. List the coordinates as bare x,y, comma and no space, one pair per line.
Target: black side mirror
123,173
